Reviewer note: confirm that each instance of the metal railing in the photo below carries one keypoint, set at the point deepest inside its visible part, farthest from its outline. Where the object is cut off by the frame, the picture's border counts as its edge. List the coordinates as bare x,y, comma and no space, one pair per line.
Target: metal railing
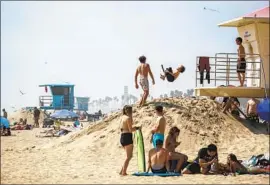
65,103
223,70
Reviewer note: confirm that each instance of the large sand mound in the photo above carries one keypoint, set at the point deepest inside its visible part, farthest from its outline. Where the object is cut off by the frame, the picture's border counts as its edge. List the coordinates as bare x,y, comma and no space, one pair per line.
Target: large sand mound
94,154
201,122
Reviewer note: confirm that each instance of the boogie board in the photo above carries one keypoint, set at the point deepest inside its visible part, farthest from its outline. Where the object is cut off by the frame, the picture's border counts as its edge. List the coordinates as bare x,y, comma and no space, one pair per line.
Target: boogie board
140,151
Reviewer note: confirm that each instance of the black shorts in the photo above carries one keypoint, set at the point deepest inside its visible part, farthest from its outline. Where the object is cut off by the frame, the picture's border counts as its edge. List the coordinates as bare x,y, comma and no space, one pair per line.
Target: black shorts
241,68
194,168
126,139
163,170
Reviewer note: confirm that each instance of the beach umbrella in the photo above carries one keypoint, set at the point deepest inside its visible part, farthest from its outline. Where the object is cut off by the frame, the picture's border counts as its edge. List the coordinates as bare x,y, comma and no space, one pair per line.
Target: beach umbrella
4,122
263,109
64,114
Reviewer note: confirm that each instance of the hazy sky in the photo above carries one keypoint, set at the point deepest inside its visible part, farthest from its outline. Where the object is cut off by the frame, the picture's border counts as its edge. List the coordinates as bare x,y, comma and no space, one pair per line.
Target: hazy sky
96,45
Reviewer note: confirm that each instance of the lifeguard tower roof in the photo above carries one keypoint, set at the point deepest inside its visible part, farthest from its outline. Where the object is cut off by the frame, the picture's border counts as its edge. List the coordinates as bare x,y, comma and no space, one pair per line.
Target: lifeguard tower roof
260,16
57,85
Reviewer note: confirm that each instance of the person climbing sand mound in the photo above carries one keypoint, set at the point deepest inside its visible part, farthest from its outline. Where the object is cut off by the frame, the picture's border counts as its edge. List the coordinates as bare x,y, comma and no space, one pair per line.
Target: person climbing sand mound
158,131
143,69
126,136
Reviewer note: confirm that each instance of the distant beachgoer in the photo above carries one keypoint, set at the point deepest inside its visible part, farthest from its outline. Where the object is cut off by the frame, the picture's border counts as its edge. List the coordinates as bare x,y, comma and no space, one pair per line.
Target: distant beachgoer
5,127
144,69
76,123
206,158
171,144
241,61
252,107
5,114
126,136
36,117
159,130
168,73
158,159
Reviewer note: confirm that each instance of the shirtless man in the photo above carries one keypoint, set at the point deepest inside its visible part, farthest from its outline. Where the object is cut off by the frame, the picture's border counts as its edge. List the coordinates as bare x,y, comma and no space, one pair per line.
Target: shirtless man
126,127
171,144
143,70
252,109
158,159
158,131
241,62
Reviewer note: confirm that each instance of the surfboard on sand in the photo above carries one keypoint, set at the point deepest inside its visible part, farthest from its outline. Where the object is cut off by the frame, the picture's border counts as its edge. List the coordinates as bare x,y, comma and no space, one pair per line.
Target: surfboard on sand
140,151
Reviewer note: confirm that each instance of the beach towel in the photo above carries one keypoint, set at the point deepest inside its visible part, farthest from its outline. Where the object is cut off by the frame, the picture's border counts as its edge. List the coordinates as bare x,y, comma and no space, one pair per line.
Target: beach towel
156,174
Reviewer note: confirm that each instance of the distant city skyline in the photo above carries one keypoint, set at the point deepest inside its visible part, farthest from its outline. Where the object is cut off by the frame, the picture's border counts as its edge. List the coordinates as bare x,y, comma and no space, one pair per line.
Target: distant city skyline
96,45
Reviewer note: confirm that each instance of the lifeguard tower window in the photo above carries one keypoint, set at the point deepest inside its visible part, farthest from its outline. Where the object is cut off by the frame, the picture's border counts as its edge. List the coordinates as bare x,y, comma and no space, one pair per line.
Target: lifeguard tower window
62,91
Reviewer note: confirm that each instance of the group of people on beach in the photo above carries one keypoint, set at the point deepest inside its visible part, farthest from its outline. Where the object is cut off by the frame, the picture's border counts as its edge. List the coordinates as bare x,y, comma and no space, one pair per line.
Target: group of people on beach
163,156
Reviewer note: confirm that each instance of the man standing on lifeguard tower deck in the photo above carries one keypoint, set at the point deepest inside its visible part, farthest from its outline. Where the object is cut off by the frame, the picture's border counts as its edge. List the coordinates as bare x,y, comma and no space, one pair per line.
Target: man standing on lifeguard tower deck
143,70
241,61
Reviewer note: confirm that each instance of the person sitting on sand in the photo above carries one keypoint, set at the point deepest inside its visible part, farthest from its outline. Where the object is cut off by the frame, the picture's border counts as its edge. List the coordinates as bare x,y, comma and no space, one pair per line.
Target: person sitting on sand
206,158
252,108
158,131
126,136
76,123
234,107
171,144
170,75
158,159
144,69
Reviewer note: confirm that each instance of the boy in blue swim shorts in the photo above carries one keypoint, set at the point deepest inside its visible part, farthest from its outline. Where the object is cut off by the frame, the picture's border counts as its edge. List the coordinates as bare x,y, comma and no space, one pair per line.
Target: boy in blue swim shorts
158,131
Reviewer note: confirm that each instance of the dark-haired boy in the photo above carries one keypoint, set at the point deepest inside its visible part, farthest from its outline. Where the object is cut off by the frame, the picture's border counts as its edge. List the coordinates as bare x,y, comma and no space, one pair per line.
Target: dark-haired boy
159,130
206,158
143,69
241,61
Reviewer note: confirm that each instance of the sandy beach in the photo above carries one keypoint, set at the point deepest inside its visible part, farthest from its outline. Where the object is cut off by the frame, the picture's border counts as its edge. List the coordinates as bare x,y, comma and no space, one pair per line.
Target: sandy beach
94,155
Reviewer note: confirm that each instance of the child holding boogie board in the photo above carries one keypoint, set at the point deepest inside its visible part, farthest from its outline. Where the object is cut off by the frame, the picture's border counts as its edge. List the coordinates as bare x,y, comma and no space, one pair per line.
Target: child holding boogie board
170,75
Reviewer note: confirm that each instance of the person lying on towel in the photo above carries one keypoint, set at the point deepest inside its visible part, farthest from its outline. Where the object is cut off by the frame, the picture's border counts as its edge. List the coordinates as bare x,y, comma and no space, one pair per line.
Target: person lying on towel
158,159
170,75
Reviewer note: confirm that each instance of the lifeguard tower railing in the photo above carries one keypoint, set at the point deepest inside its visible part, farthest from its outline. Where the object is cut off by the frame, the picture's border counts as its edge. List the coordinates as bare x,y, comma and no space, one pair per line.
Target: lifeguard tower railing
56,103
223,71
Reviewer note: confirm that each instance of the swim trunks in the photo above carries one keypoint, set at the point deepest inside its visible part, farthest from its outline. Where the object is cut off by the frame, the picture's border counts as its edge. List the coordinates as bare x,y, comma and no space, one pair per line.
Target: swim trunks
241,67
126,139
162,170
157,136
144,83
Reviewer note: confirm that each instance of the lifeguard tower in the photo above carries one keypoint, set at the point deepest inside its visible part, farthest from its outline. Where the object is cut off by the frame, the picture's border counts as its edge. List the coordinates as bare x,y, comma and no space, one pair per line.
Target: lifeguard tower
81,103
62,97
254,29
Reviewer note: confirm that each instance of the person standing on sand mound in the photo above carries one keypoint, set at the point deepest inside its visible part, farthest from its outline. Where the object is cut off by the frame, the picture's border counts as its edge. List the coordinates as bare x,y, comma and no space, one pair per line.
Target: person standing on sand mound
126,136
143,69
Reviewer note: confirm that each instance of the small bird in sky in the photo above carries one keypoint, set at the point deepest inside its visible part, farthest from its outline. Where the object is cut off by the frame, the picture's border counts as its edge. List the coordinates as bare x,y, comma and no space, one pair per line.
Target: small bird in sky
213,10
22,93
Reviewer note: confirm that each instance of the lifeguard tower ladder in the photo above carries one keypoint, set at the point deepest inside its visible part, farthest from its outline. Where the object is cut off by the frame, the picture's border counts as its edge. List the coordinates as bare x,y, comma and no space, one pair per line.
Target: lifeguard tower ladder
223,72
62,97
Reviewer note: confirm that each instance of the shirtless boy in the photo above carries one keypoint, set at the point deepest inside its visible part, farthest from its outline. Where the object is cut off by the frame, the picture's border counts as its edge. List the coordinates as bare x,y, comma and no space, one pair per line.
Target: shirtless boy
144,69
158,131
158,159
241,62
252,107
175,74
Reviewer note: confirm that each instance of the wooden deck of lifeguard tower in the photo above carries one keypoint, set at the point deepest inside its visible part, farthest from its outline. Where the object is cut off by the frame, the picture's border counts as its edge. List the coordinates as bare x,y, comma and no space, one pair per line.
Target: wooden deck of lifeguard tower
223,72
